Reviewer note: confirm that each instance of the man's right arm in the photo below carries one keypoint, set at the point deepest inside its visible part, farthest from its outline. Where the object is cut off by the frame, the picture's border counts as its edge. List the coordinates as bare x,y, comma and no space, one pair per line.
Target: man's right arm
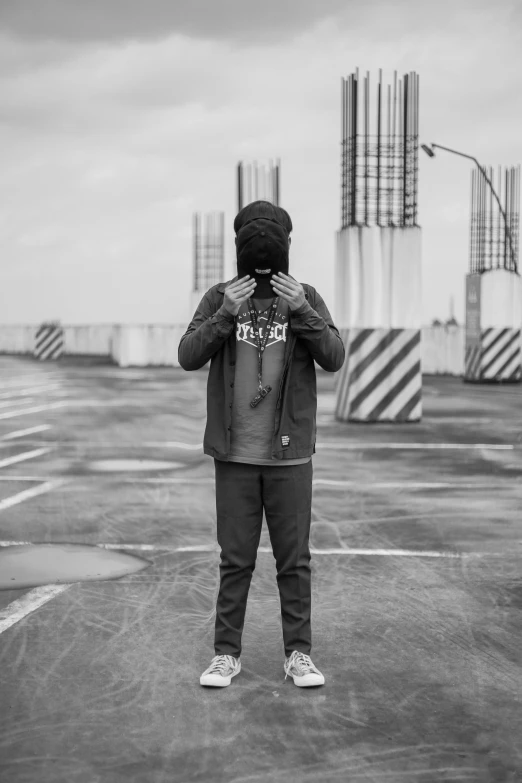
205,335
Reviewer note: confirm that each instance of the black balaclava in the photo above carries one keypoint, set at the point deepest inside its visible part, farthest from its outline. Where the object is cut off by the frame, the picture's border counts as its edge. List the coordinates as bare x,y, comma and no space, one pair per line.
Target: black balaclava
262,234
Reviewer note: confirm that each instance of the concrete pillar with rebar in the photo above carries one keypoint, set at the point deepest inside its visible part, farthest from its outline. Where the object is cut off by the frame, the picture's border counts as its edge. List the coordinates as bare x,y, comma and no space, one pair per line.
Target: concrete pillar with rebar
493,350
378,258
258,182
208,255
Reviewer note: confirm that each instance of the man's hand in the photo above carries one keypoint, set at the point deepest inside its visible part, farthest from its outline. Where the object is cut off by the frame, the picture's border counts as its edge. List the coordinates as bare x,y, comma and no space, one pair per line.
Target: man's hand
289,290
237,293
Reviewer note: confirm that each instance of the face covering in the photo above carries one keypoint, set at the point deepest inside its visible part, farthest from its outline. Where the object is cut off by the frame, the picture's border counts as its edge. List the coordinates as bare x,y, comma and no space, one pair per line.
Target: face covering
262,244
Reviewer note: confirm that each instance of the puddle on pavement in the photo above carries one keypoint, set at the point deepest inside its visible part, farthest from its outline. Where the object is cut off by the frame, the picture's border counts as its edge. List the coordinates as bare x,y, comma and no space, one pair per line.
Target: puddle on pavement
43,564
117,465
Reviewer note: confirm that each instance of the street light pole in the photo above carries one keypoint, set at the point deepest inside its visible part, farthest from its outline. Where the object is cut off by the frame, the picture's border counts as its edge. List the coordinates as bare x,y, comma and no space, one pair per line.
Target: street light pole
431,154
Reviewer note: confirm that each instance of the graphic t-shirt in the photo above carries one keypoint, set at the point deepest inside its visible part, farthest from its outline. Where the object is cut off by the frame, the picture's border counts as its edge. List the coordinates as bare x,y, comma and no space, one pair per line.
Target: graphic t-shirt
252,428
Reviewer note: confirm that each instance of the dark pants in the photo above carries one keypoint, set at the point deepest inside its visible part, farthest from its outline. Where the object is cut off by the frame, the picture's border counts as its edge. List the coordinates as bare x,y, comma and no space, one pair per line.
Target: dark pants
242,490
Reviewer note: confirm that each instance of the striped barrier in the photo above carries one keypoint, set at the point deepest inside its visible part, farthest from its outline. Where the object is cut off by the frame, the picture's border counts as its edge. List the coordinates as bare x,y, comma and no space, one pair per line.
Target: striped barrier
501,356
498,358
49,342
381,377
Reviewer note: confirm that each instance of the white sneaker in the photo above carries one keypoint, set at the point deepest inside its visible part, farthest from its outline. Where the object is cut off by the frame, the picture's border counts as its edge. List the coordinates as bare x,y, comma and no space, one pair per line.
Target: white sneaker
221,671
300,667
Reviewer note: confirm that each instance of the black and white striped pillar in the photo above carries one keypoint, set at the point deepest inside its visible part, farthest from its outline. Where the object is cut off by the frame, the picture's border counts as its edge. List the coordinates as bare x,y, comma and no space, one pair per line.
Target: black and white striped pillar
493,350
378,307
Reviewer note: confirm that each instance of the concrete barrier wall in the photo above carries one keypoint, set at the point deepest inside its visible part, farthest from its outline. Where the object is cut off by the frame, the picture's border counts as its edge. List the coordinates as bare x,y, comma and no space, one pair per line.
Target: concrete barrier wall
442,348
94,340
17,338
147,345
128,345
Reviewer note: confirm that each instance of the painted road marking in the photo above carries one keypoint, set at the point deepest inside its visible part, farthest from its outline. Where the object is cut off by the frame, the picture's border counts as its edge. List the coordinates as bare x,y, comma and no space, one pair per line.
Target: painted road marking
24,478
16,401
27,494
365,446
15,393
171,444
167,480
23,379
36,409
328,445
21,607
100,403
22,457
393,484
28,431
268,550
120,444
369,485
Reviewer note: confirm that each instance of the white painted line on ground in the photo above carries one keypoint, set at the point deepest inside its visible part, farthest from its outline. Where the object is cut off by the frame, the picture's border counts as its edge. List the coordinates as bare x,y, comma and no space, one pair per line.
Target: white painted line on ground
23,379
388,484
363,485
326,445
16,401
34,599
24,478
172,444
392,553
405,485
36,409
268,550
420,446
164,480
16,393
28,431
23,457
122,445
72,403
27,494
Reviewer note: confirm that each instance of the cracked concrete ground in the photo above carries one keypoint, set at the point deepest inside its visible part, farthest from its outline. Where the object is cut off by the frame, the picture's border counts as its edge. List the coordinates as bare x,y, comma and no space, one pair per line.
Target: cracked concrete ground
416,603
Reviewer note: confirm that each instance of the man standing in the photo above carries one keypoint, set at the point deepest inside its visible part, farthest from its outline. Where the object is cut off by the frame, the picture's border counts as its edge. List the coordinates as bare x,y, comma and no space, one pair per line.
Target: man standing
262,332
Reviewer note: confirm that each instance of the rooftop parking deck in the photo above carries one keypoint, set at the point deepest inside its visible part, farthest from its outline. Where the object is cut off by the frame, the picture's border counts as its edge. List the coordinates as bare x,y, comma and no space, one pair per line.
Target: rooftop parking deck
416,604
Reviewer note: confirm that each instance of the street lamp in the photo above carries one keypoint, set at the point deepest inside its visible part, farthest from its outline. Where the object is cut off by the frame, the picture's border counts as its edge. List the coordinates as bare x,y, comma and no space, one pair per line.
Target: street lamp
431,154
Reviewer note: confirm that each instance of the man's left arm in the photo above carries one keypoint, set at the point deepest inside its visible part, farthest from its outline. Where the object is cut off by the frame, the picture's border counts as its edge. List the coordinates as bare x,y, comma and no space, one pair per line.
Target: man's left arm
314,325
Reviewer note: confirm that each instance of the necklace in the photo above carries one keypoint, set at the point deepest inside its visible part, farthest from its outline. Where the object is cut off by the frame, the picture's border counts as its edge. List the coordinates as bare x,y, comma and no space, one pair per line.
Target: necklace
261,345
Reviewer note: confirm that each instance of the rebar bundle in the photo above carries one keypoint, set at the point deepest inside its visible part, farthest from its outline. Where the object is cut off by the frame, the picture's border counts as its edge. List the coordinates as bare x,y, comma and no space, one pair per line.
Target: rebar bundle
379,160
255,182
494,237
209,249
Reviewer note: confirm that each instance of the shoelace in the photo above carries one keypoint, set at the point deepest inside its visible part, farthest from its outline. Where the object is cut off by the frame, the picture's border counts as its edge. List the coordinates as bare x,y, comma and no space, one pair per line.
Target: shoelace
220,663
302,662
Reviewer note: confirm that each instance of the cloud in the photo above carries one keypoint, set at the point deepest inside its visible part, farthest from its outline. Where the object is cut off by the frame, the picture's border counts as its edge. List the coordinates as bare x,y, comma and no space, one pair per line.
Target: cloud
110,144
242,22
106,20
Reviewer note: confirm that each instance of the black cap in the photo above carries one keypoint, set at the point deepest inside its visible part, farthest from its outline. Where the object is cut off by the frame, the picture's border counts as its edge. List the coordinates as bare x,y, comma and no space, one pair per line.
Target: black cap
264,210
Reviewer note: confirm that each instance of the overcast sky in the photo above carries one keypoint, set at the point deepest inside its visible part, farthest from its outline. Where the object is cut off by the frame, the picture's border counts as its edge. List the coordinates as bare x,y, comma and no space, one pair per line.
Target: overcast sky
120,118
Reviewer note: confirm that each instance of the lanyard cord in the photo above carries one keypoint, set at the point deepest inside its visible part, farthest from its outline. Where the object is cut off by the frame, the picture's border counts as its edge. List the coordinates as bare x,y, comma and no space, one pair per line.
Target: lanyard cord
261,344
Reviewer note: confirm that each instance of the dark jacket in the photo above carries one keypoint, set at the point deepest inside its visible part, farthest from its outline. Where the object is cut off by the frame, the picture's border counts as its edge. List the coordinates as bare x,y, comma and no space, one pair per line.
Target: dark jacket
312,336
